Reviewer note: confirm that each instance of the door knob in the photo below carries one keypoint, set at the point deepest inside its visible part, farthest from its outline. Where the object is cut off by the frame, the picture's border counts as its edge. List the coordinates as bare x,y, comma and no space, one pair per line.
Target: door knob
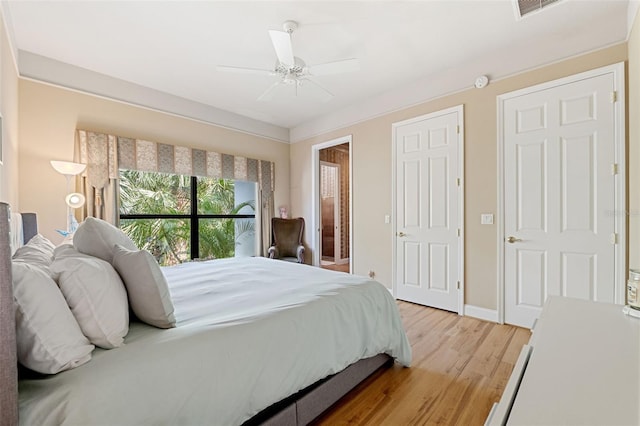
512,239
401,234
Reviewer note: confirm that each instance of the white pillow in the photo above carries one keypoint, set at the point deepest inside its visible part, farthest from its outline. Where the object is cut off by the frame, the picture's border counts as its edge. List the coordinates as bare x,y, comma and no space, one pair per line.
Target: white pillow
38,252
96,237
147,287
49,339
95,294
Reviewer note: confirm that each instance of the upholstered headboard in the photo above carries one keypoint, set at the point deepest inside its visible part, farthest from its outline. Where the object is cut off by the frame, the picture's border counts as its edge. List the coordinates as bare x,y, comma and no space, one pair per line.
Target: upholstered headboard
29,226
8,357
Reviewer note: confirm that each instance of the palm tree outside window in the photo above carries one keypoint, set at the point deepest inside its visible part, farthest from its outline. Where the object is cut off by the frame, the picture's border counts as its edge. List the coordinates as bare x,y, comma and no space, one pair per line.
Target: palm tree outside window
181,217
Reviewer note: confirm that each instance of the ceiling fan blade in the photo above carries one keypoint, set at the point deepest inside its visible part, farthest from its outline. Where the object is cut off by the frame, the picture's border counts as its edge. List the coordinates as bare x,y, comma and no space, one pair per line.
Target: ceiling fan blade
241,70
337,67
317,90
268,94
282,45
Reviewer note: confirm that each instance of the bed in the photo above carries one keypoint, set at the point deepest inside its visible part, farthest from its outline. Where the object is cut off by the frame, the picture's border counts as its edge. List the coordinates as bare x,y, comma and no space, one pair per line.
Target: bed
256,341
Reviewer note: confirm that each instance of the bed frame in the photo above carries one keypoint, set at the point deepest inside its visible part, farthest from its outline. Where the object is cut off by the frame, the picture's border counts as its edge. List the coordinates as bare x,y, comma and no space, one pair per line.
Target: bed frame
298,409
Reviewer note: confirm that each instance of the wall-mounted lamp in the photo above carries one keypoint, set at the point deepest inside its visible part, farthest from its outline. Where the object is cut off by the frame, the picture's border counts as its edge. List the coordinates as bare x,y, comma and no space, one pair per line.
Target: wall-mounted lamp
73,200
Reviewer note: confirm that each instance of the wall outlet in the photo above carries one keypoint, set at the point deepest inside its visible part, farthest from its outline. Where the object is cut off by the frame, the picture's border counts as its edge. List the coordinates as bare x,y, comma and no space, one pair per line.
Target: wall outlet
486,219
372,274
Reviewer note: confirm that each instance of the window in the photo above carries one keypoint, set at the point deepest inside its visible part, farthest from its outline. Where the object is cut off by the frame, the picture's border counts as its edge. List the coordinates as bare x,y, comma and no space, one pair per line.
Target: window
179,217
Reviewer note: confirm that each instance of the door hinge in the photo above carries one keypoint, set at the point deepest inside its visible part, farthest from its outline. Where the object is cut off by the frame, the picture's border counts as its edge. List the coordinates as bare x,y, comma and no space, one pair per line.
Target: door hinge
614,238
614,96
458,129
458,232
458,285
458,181
614,169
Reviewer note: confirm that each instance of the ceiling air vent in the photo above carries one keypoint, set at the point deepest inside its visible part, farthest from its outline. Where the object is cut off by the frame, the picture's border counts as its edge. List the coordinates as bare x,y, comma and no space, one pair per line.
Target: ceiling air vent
526,7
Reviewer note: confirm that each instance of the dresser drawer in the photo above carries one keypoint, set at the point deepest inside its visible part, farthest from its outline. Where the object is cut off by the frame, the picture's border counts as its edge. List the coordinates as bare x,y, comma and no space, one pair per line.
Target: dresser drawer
500,411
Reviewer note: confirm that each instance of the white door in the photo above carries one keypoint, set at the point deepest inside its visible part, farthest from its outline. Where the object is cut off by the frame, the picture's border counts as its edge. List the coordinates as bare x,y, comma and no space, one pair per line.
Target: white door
559,196
428,209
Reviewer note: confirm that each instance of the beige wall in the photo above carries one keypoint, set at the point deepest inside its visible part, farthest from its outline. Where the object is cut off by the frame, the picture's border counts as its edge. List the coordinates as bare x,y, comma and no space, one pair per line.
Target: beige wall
633,153
9,111
49,116
372,239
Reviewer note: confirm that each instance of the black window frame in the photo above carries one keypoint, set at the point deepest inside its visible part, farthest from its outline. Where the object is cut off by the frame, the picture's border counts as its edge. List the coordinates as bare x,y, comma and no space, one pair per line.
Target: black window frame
193,216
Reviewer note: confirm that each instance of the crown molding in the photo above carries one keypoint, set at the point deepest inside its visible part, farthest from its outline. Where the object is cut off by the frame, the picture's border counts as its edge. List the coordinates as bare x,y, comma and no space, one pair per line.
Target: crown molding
47,70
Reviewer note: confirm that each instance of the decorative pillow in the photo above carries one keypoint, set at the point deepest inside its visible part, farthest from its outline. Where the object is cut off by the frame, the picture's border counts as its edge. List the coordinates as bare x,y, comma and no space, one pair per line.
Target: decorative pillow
147,287
95,294
49,339
37,252
96,237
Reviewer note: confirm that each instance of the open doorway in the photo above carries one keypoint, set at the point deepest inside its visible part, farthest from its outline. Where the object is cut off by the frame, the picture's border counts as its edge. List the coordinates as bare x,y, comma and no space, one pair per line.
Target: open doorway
330,194
332,248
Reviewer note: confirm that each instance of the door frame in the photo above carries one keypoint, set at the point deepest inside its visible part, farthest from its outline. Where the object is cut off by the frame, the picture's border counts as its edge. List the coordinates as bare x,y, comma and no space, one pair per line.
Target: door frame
315,200
394,223
618,99
337,246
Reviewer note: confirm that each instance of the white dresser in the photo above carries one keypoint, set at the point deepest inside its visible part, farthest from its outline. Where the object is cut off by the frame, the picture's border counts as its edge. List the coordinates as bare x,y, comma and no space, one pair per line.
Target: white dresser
581,367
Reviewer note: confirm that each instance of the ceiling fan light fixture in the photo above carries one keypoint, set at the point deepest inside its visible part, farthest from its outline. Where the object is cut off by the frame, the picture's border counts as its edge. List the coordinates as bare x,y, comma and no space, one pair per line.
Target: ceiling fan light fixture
292,71
289,26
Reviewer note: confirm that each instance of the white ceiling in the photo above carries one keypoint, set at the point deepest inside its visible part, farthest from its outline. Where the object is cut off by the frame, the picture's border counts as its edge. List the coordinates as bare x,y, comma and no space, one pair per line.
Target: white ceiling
409,52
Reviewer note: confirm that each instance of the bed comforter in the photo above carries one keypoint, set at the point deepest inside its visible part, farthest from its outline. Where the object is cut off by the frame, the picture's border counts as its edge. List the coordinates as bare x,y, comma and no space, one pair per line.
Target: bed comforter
250,332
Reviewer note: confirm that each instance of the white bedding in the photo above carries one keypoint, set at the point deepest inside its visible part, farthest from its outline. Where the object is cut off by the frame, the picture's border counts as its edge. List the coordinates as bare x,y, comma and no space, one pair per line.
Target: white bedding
250,332
15,232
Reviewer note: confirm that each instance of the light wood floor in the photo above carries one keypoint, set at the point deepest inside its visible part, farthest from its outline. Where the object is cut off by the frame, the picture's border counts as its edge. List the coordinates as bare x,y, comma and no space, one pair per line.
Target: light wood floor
342,267
460,368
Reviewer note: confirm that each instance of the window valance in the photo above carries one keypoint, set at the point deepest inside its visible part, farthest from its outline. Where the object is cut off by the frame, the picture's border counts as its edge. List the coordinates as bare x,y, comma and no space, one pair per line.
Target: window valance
104,154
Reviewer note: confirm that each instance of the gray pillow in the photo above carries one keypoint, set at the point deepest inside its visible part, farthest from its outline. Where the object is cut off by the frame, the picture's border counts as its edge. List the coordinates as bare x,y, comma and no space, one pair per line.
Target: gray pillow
146,285
97,237
96,295
49,339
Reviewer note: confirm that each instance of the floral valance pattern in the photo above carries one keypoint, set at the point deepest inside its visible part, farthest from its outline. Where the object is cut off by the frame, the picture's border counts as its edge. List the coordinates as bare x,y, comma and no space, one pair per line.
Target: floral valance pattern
106,154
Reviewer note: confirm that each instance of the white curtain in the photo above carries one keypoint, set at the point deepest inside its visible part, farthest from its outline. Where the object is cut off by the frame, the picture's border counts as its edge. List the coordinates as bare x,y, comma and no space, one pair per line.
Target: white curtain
263,220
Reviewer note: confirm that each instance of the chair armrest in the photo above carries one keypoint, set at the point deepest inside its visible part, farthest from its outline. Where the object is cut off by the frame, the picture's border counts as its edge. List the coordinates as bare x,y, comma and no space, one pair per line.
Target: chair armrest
300,254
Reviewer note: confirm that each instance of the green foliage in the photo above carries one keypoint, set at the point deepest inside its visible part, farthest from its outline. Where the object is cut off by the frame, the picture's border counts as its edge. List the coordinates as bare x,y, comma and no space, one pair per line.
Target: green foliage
169,239
154,193
215,196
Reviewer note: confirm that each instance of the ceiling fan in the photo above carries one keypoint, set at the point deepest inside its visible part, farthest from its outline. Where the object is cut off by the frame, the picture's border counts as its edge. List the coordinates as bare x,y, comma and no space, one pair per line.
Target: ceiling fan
292,71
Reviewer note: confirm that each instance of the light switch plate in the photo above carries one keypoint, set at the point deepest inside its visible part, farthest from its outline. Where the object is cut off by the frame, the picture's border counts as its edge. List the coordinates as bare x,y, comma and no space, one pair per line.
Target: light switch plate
486,219
387,219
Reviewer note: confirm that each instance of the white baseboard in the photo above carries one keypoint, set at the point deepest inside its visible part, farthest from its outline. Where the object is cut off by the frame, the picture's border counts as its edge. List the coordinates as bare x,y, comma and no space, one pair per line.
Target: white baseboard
481,313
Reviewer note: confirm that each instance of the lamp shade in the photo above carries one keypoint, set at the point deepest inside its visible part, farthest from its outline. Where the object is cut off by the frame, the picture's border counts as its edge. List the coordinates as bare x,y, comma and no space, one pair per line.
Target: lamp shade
67,167
75,200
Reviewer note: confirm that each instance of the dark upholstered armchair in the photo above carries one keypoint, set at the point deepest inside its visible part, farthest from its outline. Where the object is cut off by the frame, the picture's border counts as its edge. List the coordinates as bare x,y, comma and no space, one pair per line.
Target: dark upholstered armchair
286,239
